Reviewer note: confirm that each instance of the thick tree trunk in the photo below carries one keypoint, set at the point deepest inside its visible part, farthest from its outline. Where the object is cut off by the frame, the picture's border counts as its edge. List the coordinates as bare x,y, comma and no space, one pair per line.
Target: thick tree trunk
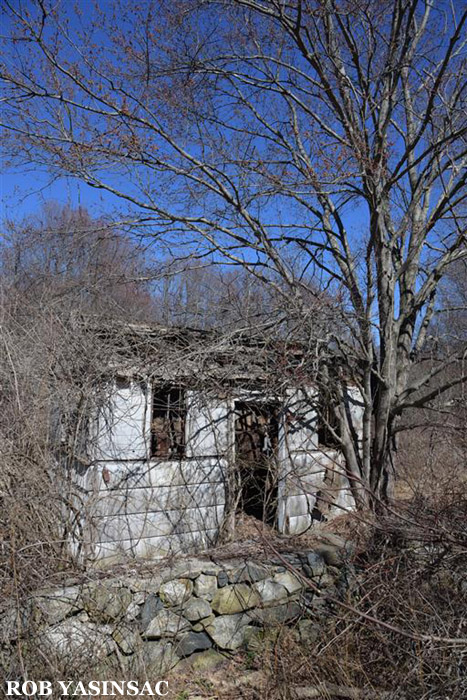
382,472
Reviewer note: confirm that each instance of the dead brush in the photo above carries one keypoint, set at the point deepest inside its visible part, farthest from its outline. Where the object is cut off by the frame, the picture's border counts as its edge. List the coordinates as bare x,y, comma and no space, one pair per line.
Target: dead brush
411,581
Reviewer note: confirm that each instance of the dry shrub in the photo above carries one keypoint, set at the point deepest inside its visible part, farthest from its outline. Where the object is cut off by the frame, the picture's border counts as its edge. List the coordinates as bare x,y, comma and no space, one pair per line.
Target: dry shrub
432,458
411,583
41,358
31,526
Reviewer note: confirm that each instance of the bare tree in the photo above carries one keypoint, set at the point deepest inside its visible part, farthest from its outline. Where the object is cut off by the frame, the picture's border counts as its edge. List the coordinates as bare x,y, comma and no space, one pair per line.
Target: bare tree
314,135
216,296
64,256
64,274
450,327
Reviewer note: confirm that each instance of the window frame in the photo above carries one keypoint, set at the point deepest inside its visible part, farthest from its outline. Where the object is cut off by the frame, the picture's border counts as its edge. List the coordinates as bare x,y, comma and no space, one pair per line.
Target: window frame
168,413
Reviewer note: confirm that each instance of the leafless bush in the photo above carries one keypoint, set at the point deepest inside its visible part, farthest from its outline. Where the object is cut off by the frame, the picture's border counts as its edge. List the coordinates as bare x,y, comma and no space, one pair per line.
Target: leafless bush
50,363
402,632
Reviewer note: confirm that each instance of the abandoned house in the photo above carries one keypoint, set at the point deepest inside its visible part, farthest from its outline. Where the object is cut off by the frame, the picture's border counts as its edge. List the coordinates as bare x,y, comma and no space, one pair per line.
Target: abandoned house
190,428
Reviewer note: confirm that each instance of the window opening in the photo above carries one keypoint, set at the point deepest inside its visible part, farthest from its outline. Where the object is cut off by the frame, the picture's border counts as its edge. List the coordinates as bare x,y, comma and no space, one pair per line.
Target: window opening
328,423
168,422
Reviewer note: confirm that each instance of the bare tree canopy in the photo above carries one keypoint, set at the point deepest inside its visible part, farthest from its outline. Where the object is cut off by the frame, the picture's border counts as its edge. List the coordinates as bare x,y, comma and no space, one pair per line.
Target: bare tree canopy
65,258
314,136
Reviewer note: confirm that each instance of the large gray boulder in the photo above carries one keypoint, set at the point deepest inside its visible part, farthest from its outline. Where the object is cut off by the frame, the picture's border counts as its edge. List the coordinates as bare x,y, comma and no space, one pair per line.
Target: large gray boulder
191,642
205,586
276,615
313,564
228,631
166,623
150,608
176,592
127,639
55,606
249,572
290,582
75,639
196,609
234,599
204,623
270,591
105,603
158,658
205,661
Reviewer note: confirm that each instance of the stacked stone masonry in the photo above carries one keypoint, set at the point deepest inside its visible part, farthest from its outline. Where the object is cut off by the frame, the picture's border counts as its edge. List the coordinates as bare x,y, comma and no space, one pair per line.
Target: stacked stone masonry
194,607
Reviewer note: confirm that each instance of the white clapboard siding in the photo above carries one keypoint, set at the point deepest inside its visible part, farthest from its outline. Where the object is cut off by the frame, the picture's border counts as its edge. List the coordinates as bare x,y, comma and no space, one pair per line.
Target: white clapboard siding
298,525
356,407
301,484
160,498
309,465
152,474
207,429
300,423
133,526
307,473
139,506
300,504
299,474
155,547
121,422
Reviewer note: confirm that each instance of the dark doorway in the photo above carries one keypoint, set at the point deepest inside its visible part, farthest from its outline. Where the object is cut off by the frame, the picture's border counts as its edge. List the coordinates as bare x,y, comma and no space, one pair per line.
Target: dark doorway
256,440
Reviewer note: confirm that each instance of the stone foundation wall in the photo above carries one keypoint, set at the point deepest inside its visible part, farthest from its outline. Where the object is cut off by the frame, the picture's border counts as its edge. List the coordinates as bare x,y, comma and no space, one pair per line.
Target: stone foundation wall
147,622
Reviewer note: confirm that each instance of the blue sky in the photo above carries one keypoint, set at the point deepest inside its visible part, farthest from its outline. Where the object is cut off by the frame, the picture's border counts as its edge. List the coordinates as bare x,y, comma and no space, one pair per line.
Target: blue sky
22,192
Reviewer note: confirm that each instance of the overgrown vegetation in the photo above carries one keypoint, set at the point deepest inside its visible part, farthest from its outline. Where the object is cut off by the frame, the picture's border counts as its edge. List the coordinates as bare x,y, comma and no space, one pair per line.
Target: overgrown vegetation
402,632
298,172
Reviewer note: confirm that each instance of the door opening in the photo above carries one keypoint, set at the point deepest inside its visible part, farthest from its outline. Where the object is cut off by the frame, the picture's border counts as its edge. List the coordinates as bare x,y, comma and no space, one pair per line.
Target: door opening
256,440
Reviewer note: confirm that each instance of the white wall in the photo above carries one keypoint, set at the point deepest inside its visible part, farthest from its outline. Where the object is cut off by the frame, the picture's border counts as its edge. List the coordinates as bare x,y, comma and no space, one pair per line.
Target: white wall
207,425
151,507
310,476
123,423
146,507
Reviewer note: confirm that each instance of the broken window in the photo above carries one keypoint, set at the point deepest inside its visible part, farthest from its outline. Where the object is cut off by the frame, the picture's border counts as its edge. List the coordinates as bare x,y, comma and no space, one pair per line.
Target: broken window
168,422
328,423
